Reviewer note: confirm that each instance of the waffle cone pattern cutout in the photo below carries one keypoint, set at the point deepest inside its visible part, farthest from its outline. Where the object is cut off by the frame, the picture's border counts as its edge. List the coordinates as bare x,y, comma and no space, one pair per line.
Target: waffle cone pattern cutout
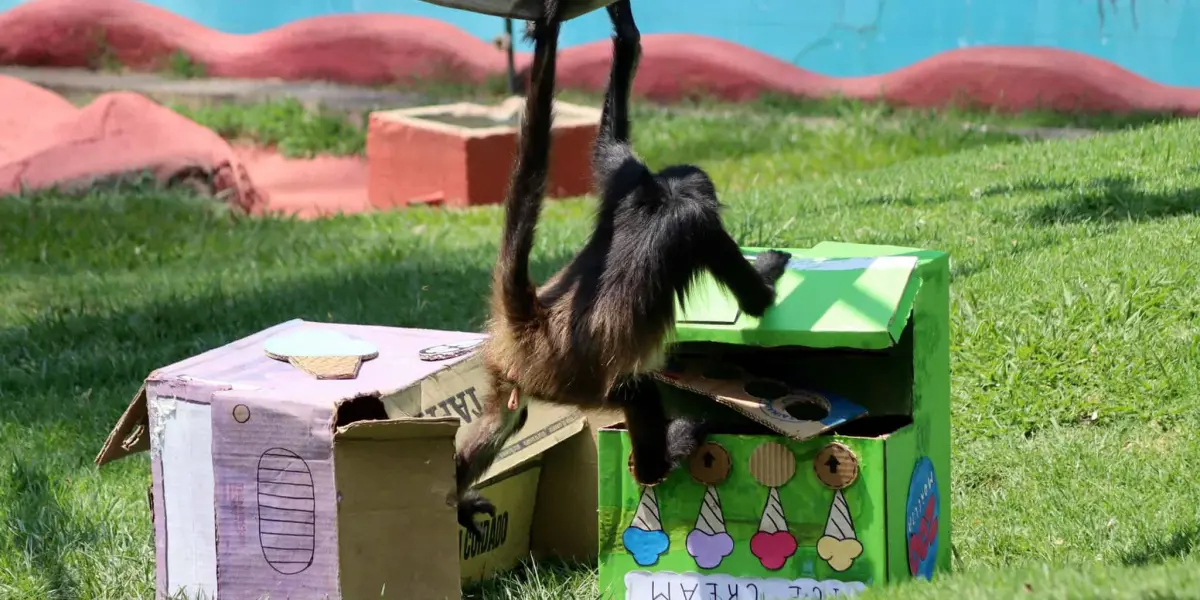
772,464
322,353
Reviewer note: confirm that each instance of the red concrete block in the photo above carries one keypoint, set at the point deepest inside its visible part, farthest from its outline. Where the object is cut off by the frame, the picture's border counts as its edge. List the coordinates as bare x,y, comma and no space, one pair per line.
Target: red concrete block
462,154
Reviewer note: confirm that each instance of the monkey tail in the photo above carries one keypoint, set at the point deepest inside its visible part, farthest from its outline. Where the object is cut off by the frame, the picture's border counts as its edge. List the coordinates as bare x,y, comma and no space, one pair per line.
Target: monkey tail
513,289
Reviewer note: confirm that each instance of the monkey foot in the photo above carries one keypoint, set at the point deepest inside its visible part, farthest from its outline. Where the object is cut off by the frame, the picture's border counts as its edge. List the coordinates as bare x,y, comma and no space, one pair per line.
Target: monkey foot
471,504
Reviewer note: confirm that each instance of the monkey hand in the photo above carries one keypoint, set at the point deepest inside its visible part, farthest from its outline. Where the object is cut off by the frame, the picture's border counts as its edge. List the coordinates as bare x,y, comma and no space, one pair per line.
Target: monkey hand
771,264
651,470
471,504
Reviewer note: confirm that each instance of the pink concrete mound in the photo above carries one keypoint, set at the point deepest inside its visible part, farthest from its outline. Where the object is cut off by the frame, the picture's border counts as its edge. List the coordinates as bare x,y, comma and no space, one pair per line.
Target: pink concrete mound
47,142
360,49
307,188
378,48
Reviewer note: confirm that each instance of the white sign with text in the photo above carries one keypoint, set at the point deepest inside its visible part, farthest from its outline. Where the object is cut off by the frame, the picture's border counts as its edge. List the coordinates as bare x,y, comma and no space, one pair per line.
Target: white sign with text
642,585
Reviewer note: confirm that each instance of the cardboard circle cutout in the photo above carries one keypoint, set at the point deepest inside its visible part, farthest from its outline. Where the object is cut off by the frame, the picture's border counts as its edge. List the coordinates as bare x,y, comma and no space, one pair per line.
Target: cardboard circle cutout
772,464
836,466
709,464
766,389
241,413
801,406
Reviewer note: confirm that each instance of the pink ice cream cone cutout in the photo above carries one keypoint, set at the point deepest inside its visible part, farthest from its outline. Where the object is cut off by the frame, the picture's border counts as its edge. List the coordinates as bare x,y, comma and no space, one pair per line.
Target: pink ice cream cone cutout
773,465
837,467
645,539
709,543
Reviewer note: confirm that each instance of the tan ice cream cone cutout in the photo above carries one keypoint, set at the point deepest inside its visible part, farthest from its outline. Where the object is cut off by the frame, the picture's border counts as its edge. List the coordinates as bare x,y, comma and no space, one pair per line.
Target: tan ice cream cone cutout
322,353
772,464
837,468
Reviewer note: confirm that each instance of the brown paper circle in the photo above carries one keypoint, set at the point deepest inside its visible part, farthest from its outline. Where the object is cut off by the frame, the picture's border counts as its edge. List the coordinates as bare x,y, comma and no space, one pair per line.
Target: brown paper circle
772,464
706,470
836,466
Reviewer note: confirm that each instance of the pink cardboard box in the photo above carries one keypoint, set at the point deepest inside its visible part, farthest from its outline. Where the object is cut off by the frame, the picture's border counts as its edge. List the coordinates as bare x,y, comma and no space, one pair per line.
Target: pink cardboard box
270,482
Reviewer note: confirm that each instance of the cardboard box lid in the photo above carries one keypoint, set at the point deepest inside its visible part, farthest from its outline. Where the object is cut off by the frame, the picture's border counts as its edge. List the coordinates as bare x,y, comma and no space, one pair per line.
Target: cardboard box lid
830,296
688,373
244,364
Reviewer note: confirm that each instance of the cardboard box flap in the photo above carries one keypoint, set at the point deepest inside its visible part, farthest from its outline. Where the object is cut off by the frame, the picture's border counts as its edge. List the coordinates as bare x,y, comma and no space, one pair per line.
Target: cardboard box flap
547,426
825,300
130,435
458,391
797,414
398,429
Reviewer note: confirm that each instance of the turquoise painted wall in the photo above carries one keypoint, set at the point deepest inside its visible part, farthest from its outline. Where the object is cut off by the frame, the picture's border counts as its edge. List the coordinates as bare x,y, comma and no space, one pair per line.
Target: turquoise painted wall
1159,39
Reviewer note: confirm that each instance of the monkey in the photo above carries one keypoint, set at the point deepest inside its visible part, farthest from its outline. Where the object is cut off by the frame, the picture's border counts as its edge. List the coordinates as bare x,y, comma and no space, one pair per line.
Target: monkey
593,333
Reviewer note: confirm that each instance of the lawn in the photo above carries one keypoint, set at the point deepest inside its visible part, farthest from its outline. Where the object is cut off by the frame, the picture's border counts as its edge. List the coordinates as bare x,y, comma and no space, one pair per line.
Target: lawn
1076,359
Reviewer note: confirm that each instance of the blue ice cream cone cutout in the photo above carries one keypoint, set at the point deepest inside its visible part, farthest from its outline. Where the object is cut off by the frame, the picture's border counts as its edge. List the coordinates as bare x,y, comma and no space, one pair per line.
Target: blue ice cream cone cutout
644,539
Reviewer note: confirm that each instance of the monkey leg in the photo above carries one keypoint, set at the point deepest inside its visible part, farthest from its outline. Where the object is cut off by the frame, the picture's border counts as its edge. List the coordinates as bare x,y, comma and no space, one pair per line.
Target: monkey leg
624,26
658,445
475,454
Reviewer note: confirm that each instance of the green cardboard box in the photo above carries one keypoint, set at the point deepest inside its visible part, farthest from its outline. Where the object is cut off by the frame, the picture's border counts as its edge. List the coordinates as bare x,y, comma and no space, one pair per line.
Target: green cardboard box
830,469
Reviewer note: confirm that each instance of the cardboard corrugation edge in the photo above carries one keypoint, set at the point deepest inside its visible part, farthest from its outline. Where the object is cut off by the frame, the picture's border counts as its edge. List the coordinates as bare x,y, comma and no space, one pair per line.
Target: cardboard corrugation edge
556,431
903,317
131,434
404,428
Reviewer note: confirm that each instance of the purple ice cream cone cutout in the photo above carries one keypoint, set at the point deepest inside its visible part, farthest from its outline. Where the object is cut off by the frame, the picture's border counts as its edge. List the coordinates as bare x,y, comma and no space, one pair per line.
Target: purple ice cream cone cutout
709,543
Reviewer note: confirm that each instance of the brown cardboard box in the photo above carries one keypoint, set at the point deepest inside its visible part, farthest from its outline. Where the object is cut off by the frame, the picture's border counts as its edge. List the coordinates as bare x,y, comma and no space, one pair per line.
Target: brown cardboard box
270,482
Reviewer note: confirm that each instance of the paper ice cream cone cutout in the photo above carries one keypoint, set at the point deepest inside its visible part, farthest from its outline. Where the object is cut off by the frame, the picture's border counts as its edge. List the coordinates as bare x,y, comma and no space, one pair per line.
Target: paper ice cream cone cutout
322,353
773,465
328,367
644,539
839,547
773,519
712,518
709,543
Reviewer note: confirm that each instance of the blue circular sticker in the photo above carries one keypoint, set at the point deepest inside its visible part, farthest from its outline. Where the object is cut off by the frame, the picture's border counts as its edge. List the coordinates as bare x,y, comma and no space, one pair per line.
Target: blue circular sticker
921,519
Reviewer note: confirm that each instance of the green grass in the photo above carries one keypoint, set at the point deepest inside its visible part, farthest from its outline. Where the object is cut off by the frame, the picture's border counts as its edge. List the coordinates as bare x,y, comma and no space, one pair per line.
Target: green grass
1076,359
286,125
743,149
180,65
775,105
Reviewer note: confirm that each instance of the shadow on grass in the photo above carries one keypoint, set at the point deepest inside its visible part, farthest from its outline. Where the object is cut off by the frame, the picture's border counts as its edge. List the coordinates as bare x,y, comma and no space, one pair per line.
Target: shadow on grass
1175,546
1114,198
40,526
56,368
1110,199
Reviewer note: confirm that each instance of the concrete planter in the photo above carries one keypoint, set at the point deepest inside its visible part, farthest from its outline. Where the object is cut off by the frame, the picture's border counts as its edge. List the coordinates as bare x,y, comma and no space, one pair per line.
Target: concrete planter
462,154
